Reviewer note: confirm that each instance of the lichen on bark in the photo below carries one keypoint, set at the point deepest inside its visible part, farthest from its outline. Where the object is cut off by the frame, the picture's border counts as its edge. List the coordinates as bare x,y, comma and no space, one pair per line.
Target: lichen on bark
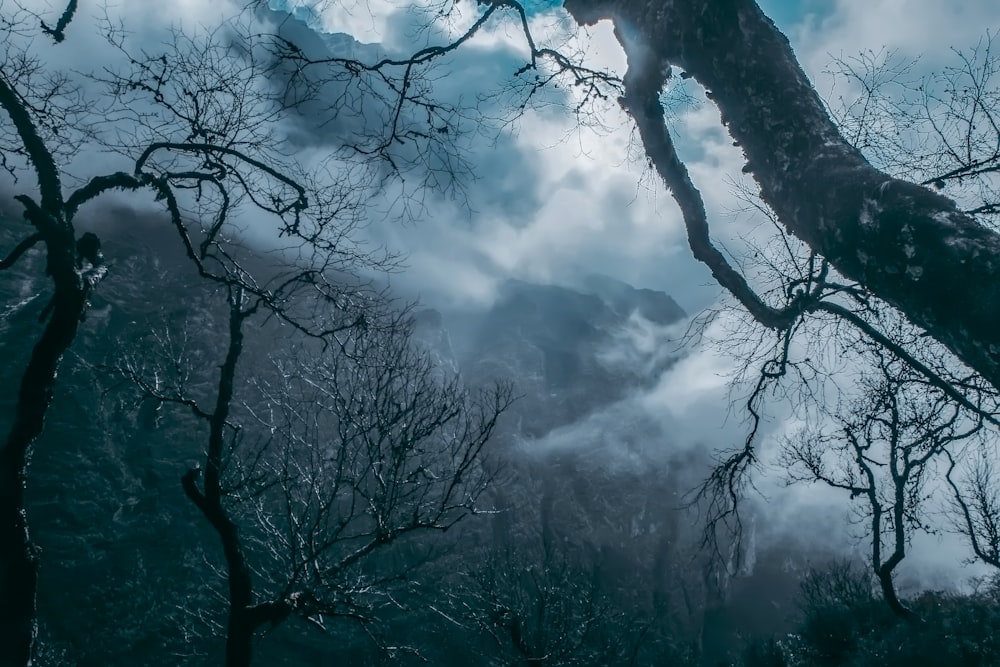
913,248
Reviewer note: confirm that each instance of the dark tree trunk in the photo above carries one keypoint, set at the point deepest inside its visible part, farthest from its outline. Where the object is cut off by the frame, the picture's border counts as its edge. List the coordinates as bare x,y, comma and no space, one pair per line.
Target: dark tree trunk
891,598
243,618
908,245
18,555
239,639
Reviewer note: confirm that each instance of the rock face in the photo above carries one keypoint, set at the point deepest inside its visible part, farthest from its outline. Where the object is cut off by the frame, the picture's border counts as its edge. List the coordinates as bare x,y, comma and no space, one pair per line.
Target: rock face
591,475
655,306
561,347
429,331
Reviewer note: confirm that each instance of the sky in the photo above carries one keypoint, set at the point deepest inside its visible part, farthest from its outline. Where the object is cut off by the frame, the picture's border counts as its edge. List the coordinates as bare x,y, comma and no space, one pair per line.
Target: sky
553,202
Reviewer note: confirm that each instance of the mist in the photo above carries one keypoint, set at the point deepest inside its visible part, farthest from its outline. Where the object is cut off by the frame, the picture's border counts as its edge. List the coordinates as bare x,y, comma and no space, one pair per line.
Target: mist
547,255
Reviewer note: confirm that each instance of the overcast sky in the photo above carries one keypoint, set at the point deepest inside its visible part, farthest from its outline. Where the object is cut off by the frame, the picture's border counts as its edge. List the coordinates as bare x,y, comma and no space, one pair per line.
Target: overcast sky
553,202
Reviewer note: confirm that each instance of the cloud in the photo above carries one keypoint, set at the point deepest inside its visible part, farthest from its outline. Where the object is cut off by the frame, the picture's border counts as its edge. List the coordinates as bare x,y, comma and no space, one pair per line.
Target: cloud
551,201
548,201
928,31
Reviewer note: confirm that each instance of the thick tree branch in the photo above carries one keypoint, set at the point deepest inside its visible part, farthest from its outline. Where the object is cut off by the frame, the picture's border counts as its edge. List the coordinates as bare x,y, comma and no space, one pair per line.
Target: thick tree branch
49,185
900,240
101,184
58,32
24,246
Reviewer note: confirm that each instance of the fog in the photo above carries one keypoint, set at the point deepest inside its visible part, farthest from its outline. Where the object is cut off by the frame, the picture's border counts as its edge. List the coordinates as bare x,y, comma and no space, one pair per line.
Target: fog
544,248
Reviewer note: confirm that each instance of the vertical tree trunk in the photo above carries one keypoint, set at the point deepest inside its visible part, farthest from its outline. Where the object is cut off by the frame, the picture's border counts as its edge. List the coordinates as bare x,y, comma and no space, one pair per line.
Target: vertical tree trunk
891,598
239,638
242,622
18,554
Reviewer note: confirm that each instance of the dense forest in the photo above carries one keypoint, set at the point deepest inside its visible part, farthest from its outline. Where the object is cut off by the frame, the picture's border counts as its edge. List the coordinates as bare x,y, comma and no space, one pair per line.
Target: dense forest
236,435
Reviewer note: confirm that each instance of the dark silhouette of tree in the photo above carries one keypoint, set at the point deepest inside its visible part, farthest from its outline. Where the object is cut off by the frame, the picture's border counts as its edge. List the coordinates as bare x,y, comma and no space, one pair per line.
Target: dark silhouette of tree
834,601
936,130
539,607
194,130
975,503
843,622
319,466
885,449
898,239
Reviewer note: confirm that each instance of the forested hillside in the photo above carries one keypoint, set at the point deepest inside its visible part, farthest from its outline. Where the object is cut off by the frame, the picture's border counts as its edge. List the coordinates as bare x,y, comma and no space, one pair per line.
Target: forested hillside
584,553
596,332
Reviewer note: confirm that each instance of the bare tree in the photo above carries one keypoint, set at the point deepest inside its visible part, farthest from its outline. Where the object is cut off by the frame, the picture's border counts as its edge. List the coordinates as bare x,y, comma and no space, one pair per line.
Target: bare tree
976,504
539,607
939,130
390,115
194,131
936,130
900,240
319,466
884,451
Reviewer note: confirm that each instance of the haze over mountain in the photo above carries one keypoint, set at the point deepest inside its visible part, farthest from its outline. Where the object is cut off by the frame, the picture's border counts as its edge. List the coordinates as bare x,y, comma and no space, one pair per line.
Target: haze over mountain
585,472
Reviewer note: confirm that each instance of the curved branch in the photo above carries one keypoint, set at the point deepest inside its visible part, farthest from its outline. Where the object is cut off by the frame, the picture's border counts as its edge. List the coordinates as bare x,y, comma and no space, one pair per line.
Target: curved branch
300,203
19,250
49,185
643,82
101,184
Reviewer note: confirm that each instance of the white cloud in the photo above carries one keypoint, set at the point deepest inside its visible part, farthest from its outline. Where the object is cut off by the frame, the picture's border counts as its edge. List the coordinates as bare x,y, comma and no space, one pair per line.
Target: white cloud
928,30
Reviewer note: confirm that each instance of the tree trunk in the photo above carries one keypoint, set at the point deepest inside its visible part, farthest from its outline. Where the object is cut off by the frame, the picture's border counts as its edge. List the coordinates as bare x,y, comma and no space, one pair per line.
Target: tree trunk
891,598
18,555
243,618
241,624
911,247
239,639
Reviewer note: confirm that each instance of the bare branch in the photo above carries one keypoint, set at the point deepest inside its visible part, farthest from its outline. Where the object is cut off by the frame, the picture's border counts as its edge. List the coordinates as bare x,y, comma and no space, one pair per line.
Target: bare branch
24,246
58,32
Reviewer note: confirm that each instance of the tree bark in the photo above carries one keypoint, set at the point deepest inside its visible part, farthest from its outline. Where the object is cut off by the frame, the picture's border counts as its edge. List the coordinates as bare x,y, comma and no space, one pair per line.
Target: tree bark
910,246
242,623
891,598
18,554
